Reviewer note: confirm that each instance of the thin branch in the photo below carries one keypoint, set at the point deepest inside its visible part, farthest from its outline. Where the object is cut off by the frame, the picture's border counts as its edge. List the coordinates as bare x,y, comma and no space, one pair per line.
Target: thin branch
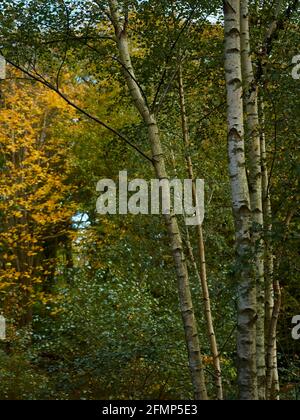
275,144
169,56
49,85
166,91
103,10
78,38
124,68
278,25
66,45
133,78
274,28
208,114
61,66
227,340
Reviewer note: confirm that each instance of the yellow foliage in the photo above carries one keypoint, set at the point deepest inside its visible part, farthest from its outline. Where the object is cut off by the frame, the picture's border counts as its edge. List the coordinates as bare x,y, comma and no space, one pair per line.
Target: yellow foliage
33,186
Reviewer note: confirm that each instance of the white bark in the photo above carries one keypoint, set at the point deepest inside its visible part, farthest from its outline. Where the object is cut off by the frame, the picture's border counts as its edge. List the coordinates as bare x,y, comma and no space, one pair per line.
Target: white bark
255,189
272,286
246,340
2,68
272,371
272,381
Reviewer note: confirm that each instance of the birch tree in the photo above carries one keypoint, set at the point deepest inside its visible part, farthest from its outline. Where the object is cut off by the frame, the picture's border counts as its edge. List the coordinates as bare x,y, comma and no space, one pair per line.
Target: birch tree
186,305
200,245
270,321
260,179
247,315
255,189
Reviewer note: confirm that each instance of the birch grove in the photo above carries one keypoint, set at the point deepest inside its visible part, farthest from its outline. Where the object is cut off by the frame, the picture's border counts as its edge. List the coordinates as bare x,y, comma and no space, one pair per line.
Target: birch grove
251,189
109,289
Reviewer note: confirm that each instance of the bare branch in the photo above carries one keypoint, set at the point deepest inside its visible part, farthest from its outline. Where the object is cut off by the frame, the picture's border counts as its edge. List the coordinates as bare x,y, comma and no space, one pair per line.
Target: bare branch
166,91
133,78
39,78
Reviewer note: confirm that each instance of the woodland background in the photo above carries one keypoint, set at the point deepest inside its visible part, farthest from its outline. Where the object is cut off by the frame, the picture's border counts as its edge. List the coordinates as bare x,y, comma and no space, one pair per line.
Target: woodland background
91,302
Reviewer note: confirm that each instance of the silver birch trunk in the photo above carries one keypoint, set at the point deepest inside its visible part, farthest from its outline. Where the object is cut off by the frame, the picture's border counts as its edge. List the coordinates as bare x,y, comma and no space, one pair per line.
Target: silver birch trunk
272,371
272,286
201,248
271,344
255,189
272,385
267,211
185,298
246,338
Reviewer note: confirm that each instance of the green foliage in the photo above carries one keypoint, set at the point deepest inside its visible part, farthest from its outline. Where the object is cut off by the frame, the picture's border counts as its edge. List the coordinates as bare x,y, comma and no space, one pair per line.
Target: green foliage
104,338
110,327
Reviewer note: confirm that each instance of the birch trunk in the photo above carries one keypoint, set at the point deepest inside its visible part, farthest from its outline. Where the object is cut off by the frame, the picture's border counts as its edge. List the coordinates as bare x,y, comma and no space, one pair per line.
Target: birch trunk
271,345
246,339
275,379
272,371
273,387
272,286
267,211
255,189
201,248
187,311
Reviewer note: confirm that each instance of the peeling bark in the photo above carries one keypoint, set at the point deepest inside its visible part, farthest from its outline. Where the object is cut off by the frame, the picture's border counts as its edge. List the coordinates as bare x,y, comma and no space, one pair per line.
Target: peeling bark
272,381
255,189
246,339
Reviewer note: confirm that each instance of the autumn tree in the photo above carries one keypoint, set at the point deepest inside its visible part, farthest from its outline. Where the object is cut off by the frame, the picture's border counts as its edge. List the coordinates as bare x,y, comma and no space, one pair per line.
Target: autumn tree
36,208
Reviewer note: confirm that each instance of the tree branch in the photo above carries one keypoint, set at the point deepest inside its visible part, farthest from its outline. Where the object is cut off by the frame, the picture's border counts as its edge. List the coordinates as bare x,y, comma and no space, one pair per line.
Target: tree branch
169,56
272,33
37,77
